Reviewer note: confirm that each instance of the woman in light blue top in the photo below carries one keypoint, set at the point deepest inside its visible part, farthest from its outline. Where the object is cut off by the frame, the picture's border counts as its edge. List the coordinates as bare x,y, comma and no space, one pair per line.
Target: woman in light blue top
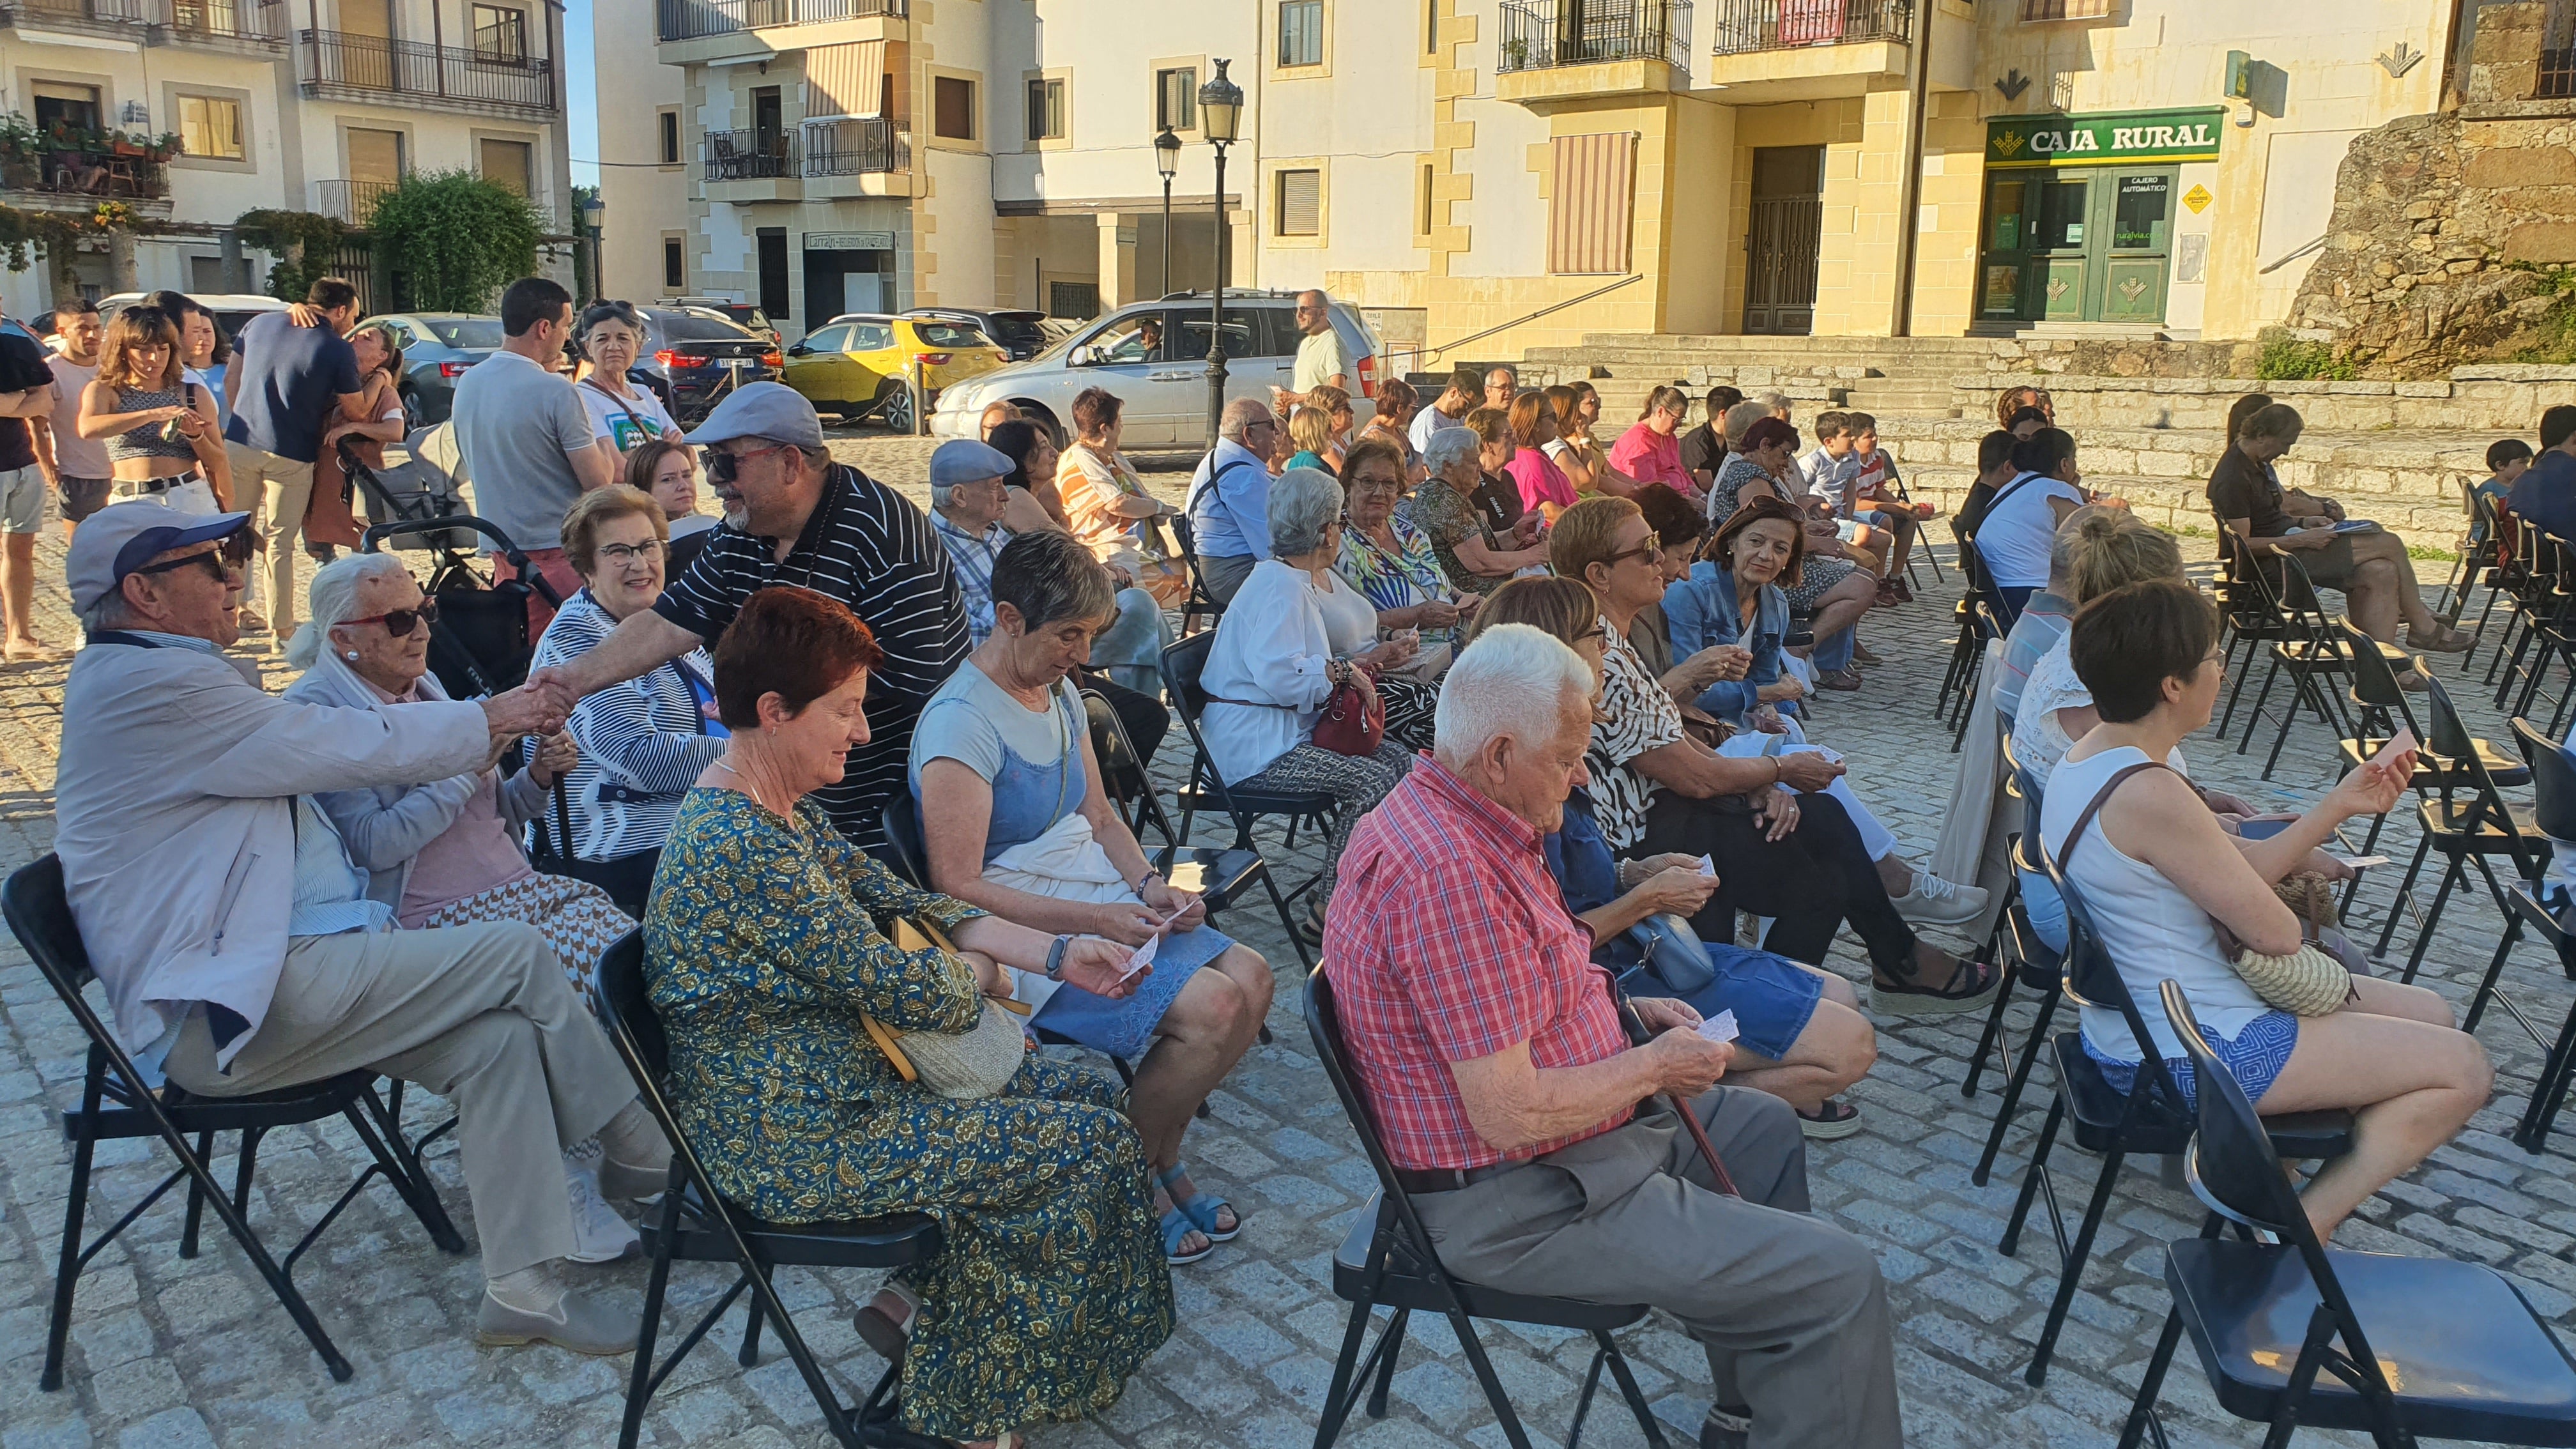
1015,821
2155,877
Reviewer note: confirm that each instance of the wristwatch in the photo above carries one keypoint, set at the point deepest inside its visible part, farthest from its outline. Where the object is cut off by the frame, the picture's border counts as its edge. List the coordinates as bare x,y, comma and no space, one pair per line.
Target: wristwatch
1055,958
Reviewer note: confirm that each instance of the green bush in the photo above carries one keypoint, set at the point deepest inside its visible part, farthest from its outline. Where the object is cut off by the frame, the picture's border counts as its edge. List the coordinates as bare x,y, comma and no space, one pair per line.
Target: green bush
305,243
455,239
2556,328
2290,359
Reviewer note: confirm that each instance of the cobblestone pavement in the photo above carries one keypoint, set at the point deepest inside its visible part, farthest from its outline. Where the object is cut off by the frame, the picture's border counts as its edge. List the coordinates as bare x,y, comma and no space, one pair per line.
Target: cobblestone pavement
172,1352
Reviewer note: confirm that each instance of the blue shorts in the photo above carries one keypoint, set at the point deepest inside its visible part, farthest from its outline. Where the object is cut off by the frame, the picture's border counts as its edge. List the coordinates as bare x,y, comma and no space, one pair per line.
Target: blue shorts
2255,1058
1773,997
1125,1027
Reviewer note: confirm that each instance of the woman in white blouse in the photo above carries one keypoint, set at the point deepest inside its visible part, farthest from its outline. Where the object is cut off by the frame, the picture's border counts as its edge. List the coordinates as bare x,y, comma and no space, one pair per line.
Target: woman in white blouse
622,415
1273,667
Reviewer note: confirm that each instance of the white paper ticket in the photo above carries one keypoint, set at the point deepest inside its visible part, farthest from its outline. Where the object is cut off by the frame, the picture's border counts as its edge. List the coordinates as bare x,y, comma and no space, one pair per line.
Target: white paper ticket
1719,1028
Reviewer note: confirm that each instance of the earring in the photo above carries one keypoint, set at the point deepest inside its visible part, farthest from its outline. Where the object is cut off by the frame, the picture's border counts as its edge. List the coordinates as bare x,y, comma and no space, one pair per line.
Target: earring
353,656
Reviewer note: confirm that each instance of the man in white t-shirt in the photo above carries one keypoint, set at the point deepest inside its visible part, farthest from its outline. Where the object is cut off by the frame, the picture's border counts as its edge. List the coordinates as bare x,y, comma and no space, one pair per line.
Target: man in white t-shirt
2013,538
1322,361
1465,391
75,467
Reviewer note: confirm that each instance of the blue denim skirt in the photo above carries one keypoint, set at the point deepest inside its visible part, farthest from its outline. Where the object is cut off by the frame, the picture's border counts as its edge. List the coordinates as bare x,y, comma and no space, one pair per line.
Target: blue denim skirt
1772,997
1125,1027
2254,1058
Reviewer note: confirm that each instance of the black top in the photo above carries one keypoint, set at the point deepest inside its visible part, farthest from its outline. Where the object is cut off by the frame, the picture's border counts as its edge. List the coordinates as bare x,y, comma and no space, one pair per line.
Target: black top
1703,449
1497,501
22,366
2241,488
870,548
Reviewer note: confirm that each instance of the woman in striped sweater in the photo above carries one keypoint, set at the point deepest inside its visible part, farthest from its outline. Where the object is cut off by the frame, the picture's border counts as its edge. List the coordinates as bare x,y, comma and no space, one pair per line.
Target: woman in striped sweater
644,741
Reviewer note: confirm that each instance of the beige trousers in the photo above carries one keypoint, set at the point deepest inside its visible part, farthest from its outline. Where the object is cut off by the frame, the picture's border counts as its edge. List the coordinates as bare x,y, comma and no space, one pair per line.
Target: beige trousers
275,490
482,1015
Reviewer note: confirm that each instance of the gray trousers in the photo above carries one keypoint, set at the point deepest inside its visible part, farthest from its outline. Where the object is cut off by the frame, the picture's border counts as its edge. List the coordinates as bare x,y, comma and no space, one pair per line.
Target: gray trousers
1791,1310
480,1014
1225,573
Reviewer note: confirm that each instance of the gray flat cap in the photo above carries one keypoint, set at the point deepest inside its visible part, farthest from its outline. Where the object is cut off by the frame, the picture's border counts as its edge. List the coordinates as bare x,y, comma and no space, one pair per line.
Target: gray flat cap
771,410
963,460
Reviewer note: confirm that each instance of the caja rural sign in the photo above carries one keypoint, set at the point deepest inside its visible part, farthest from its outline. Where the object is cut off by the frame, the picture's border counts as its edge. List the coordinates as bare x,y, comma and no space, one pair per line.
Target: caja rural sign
2104,138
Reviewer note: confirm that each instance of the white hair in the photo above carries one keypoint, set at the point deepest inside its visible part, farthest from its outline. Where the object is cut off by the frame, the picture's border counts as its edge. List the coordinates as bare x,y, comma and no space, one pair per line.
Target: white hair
1239,414
1447,446
1512,681
1303,503
332,598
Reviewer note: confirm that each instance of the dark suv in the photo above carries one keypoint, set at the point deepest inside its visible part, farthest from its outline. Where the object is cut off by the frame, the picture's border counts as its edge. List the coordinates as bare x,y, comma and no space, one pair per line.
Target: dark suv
694,356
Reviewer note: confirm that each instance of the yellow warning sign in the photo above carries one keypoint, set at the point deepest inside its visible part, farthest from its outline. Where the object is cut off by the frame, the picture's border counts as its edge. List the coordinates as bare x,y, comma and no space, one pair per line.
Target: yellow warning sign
2198,199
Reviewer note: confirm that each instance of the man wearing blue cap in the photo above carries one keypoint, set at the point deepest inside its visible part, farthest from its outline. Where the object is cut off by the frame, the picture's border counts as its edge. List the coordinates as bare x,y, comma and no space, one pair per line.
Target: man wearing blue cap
793,516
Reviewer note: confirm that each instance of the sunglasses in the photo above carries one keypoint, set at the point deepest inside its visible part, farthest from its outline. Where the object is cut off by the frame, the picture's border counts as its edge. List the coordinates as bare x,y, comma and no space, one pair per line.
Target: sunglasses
1650,552
400,622
230,553
721,465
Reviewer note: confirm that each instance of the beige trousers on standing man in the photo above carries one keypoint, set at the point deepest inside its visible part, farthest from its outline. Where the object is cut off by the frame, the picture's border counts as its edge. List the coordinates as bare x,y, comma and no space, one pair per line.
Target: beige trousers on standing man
275,491
482,1015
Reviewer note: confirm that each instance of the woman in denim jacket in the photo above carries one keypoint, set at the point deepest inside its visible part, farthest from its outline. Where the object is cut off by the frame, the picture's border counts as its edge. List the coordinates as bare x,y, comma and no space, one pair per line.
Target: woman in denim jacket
1739,572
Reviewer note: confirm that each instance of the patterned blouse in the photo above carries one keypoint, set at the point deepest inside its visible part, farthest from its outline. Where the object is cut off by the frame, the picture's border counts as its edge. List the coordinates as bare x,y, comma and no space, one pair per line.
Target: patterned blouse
1443,520
1634,717
1409,574
1740,469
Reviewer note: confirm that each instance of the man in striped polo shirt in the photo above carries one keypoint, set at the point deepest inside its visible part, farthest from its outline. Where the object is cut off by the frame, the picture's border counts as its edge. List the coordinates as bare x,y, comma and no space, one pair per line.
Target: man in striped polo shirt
793,516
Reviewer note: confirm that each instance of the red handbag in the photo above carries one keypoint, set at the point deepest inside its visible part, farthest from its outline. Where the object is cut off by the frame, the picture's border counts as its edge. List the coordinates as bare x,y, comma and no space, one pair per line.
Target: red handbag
1353,722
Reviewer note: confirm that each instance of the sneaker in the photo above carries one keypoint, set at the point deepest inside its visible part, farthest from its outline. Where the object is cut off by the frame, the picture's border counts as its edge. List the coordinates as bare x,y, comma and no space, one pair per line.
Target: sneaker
1726,1427
1937,902
599,1235
568,1319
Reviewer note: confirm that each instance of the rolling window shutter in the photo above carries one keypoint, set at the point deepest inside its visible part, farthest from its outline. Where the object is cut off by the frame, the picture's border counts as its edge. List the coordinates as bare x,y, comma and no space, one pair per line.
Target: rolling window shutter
1301,203
1592,203
844,81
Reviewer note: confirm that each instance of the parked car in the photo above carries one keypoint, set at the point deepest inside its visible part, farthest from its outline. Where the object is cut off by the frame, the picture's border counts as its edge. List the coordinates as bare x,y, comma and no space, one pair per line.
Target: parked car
1153,355
858,364
437,348
746,315
1022,334
693,356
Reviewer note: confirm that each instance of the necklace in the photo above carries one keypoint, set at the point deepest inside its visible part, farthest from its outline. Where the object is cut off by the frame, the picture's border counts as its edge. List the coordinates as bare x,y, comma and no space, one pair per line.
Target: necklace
750,788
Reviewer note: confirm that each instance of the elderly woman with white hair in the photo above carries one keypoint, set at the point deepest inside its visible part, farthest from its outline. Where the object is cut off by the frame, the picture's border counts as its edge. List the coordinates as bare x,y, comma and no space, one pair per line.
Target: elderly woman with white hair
1291,639
446,853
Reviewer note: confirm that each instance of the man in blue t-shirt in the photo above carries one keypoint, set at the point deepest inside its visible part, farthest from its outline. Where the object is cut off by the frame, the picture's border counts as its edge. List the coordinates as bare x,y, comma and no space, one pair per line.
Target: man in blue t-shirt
283,383
2545,495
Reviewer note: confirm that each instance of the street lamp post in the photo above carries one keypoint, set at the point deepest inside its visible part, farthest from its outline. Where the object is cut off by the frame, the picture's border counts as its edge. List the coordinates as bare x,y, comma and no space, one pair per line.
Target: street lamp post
1167,161
1220,115
594,221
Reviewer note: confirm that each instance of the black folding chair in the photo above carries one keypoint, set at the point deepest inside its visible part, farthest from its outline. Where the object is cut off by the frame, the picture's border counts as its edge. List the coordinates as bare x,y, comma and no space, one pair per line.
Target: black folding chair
2247,618
2540,602
120,1100
1967,647
1388,1260
2554,632
2552,917
2460,1353
2379,708
2465,833
1202,599
2497,574
2477,565
2036,964
1208,790
697,1224
2149,1118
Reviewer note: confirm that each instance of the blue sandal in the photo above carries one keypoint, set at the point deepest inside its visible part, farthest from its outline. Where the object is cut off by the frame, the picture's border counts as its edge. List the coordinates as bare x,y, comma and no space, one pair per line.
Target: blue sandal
1201,1208
1176,1225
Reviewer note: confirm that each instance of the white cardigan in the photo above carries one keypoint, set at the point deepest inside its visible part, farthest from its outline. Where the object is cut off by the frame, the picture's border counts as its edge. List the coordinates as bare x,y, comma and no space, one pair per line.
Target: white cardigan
1271,648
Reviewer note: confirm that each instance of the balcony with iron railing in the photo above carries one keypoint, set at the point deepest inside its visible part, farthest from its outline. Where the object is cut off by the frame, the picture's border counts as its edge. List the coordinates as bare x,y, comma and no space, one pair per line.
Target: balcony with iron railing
258,25
1784,50
346,66
754,164
1566,50
696,19
78,178
351,203
856,148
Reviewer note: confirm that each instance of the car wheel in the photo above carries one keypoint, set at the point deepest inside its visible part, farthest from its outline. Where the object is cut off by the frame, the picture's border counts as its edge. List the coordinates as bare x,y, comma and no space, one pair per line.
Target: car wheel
1039,414
411,410
894,406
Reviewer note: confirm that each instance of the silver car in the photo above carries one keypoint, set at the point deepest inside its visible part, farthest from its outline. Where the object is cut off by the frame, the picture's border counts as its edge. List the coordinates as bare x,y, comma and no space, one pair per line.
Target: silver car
1153,355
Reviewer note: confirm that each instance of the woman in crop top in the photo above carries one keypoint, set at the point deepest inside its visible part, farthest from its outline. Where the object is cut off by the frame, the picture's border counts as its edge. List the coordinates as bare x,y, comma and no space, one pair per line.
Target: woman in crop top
2157,877
139,391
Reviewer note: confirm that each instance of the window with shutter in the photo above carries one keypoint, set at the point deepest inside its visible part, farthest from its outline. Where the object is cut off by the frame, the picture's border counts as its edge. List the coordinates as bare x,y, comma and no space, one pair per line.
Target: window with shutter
952,108
675,264
845,81
1046,110
1176,98
670,122
1591,203
1300,208
1301,32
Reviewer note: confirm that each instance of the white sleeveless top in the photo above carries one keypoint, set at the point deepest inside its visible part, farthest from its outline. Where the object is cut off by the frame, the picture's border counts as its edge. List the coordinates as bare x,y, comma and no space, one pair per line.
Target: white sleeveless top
2153,930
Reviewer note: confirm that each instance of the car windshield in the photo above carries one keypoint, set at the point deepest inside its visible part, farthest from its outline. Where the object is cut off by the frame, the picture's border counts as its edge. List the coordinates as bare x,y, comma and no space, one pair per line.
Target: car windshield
467,331
696,327
950,334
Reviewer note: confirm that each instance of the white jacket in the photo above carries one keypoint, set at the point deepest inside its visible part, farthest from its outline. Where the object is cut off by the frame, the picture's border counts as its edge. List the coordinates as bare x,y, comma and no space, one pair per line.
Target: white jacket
174,818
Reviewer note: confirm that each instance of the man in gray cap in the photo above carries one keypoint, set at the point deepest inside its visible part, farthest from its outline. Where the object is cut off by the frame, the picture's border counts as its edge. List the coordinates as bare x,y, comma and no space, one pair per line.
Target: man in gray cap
237,943
967,497
793,516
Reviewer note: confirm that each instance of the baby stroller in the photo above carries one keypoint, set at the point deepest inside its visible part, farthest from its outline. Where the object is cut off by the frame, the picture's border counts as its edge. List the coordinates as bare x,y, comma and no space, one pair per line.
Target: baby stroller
480,644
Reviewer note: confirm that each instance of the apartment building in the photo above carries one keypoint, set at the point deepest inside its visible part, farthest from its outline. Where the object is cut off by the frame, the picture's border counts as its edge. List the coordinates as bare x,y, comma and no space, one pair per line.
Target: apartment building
297,105
1513,173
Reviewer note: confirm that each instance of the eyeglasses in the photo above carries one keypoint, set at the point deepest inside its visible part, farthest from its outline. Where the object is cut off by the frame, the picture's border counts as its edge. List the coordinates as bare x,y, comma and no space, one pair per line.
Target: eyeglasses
1651,551
722,465
621,554
400,622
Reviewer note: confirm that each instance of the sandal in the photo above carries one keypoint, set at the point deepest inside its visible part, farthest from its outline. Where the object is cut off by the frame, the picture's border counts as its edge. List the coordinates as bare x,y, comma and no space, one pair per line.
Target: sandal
1973,983
1834,1120
882,1331
1862,654
1201,1207
1176,1226
1904,590
1310,928
1841,681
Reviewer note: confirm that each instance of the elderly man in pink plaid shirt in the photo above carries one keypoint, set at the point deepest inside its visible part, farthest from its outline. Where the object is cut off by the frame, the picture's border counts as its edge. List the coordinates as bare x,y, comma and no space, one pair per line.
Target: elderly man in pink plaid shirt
1490,1050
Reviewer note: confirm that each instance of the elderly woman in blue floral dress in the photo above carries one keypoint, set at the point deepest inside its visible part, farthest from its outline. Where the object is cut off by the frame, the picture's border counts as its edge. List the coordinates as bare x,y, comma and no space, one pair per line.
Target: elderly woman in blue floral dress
1392,564
766,962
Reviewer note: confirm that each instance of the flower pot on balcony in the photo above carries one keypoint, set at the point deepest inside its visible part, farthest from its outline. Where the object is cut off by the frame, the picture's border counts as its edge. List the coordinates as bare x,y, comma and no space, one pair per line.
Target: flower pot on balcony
123,147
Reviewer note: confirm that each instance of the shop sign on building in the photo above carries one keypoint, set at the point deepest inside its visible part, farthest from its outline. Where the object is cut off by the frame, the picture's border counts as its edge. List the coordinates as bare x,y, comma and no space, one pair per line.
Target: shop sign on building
2104,138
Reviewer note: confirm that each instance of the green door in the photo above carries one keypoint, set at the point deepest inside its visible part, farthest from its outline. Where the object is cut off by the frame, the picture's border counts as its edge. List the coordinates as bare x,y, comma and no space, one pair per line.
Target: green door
2140,244
2077,245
